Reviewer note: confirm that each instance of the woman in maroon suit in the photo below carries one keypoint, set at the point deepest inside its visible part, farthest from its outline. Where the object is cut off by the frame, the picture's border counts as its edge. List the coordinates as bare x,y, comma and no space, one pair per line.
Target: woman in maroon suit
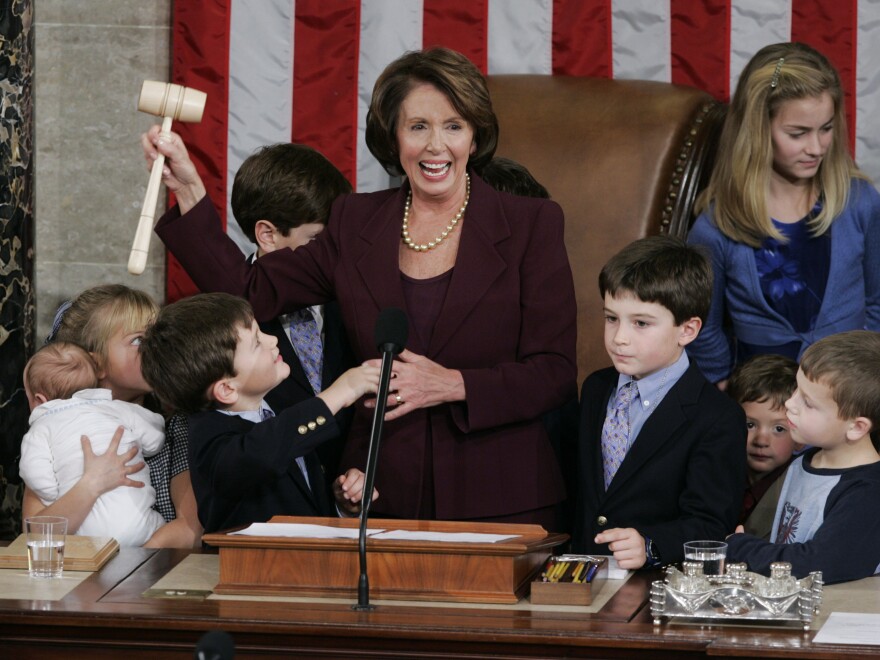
483,277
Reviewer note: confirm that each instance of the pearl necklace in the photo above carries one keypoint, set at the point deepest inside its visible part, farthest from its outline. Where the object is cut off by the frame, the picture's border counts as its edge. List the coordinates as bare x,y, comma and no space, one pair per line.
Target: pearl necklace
424,247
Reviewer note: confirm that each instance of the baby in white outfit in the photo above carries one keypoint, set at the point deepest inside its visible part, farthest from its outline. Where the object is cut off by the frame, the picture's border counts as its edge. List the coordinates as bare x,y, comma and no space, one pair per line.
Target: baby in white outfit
61,385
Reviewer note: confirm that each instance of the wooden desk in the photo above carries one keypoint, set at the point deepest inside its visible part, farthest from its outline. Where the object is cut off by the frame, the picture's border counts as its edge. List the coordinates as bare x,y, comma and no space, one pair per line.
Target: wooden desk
107,617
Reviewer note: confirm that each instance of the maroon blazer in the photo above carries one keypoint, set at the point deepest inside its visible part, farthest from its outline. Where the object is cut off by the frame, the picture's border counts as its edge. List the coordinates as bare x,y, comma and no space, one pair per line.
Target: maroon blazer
508,324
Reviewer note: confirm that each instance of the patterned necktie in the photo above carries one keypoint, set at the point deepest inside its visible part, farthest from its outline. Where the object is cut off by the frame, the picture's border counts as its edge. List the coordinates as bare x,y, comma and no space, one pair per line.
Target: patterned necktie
615,433
265,414
307,344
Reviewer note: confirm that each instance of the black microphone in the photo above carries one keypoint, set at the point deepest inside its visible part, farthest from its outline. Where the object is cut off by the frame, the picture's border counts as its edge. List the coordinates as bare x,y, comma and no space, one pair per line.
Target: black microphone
215,645
392,330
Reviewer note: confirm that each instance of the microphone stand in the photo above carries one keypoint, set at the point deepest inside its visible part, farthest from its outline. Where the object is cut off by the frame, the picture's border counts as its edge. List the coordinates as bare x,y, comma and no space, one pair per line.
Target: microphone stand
388,352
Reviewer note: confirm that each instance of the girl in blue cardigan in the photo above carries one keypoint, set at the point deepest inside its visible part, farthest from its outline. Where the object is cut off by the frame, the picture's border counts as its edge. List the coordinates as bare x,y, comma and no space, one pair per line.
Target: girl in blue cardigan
791,224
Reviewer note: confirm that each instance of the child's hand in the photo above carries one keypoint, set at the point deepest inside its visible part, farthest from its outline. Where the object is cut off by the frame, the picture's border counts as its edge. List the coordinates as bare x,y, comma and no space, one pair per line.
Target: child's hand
627,545
739,530
350,387
104,472
348,489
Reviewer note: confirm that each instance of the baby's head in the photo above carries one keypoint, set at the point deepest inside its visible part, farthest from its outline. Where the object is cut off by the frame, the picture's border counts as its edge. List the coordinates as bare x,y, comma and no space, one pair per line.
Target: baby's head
207,352
761,386
57,371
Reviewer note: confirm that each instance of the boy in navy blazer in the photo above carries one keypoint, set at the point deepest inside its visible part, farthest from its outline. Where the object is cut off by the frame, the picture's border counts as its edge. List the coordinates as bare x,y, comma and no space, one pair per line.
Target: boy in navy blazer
206,356
661,459
281,198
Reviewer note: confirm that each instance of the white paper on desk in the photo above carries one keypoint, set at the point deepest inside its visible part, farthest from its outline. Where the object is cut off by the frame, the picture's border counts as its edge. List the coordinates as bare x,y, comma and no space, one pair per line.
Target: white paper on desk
301,530
850,628
445,537
615,572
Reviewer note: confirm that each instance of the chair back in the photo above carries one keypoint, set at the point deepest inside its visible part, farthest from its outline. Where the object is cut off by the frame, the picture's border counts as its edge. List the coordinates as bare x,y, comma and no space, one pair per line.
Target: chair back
624,158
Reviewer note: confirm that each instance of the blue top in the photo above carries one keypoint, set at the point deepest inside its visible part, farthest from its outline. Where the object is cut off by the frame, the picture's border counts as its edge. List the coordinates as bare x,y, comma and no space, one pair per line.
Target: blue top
851,299
793,276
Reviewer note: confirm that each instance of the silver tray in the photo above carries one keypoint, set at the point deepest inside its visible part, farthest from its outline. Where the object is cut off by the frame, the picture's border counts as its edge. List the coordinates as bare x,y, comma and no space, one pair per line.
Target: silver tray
739,597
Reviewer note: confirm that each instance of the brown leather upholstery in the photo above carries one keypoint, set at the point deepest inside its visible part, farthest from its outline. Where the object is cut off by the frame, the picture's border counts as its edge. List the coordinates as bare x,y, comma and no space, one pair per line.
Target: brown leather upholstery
624,159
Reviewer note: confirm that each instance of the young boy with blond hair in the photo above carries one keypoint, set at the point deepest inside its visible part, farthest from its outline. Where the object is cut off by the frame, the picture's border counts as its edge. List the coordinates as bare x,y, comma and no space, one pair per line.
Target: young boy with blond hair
824,520
206,356
661,458
761,386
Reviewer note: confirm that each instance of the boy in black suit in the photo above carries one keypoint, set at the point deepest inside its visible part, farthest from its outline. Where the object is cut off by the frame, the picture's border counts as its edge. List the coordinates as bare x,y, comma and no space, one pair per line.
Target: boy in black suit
661,458
206,356
281,198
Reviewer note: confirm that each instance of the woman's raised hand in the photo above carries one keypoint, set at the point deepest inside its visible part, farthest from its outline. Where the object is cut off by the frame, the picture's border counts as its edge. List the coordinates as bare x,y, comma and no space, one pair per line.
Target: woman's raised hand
179,174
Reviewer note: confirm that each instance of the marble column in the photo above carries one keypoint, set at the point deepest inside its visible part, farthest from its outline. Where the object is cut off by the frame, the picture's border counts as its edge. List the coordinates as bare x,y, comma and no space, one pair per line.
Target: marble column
16,244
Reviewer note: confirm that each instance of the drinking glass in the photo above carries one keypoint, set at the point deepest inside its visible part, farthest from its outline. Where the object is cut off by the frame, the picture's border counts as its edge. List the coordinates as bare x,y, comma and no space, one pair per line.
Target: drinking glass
711,554
45,545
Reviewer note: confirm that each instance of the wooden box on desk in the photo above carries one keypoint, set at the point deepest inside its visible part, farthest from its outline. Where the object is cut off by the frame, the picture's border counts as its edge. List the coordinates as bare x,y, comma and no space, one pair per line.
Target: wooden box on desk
569,593
409,570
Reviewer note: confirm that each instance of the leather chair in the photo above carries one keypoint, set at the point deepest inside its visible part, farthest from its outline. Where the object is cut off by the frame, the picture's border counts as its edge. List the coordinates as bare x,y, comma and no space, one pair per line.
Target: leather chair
624,158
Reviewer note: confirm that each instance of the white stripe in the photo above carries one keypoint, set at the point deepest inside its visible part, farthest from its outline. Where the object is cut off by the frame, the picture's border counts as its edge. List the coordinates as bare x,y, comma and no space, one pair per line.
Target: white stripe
868,88
520,36
753,25
640,39
260,86
389,28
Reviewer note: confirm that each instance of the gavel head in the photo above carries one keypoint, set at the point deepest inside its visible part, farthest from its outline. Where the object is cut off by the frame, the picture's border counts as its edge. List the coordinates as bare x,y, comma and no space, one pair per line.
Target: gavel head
169,100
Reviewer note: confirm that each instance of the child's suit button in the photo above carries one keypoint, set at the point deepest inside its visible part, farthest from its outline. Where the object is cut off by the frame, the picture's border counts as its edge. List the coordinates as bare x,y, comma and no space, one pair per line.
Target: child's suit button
601,521
312,426
303,429
321,420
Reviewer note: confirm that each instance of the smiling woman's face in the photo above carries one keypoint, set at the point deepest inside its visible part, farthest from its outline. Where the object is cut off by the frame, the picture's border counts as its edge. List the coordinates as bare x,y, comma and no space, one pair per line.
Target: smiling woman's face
434,143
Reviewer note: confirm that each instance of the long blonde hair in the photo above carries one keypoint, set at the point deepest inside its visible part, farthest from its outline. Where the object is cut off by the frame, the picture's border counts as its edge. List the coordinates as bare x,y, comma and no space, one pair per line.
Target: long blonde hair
97,313
738,187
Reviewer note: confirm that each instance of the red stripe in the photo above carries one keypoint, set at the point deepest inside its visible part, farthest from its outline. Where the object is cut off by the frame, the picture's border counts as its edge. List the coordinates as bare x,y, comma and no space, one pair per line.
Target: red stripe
462,25
200,42
830,26
325,69
582,38
700,35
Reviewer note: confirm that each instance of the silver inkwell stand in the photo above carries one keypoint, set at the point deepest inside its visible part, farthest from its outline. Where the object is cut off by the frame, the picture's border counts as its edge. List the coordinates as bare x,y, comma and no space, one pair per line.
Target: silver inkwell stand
737,596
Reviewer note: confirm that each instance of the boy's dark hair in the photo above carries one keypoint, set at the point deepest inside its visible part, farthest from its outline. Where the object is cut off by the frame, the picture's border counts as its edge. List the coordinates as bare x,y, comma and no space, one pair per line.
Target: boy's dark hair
508,176
662,270
848,363
286,184
190,346
771,378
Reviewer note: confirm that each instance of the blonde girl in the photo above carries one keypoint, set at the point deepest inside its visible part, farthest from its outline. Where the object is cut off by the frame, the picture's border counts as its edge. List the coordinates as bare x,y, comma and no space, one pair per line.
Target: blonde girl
108,321
791,224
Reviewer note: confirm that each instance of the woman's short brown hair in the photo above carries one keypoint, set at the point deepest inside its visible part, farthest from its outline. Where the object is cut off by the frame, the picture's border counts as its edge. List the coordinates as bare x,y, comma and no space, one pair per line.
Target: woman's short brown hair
454,75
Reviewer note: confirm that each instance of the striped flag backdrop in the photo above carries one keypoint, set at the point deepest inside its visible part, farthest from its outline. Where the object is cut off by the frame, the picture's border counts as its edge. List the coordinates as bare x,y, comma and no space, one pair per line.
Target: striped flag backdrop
303,70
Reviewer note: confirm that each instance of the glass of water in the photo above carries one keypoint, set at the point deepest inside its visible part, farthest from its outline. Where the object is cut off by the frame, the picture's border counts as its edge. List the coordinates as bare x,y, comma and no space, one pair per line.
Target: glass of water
711,554
45,545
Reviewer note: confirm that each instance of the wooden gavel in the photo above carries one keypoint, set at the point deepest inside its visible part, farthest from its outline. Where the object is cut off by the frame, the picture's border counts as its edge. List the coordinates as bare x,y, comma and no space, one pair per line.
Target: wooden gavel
169,102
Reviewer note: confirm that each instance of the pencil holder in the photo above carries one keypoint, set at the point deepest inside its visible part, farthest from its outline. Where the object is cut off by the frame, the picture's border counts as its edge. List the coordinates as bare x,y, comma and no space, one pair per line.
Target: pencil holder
569,580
